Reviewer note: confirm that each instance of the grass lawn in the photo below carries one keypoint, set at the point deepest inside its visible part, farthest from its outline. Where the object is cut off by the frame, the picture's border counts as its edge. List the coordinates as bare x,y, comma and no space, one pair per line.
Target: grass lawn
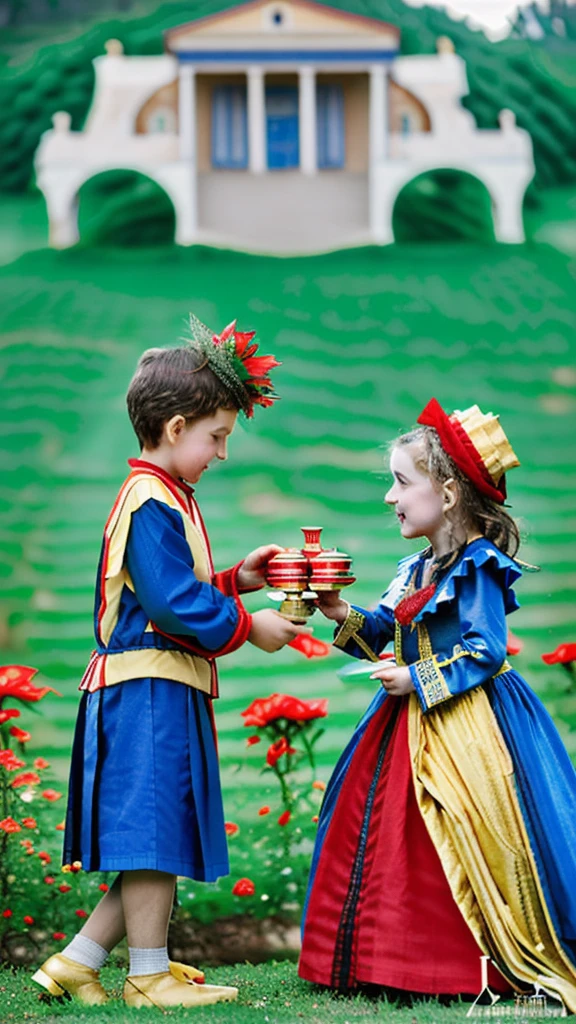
268,994
365,338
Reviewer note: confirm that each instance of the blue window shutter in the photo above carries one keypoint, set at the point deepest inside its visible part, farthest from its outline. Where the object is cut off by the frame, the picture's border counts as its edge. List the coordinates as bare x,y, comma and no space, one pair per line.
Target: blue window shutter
229,127
330,126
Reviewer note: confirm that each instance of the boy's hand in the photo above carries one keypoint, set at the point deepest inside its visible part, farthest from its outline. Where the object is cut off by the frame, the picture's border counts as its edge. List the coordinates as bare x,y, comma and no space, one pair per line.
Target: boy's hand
396,681
332,606
271,631
252,572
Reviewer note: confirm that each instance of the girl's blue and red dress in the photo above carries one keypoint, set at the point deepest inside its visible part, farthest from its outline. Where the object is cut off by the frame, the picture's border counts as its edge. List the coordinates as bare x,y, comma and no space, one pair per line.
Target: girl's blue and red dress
379,908
144,781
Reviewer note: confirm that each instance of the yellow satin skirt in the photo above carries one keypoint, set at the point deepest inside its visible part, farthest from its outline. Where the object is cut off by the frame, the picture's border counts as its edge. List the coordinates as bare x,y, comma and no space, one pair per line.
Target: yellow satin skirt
465,787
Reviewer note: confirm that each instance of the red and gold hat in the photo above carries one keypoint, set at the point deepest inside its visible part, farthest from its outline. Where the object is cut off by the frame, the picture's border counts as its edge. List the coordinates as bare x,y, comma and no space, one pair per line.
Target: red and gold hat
477,444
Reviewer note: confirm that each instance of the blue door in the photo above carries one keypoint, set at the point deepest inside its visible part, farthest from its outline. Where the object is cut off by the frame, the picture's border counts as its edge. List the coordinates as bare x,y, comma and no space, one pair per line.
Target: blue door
282,126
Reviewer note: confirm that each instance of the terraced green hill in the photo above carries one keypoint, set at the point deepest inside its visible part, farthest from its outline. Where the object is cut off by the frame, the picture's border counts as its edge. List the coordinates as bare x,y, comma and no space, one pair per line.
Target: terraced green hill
365,338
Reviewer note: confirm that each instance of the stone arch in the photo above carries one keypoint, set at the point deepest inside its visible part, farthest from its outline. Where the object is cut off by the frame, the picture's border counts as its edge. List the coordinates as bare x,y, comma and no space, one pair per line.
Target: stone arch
125,207
61,187
444,204
505,181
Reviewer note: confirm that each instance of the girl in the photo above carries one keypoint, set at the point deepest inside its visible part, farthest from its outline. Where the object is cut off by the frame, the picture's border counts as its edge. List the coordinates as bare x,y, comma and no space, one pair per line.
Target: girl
447,829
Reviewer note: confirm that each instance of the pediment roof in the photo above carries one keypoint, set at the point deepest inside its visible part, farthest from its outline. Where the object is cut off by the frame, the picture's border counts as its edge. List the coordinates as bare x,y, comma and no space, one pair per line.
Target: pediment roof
282,25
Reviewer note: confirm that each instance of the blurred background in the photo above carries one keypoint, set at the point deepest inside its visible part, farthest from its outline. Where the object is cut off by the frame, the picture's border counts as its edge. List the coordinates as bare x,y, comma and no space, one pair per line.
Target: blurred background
366,334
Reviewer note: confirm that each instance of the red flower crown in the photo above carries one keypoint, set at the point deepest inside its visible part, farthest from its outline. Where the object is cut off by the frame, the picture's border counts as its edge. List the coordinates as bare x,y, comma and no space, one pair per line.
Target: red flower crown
231,355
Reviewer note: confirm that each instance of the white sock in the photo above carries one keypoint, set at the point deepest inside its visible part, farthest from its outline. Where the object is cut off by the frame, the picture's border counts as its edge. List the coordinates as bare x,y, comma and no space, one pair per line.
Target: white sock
148,961
85,951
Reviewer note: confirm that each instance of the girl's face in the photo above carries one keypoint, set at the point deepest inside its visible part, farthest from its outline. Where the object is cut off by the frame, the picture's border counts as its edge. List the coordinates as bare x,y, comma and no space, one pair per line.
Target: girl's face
418,504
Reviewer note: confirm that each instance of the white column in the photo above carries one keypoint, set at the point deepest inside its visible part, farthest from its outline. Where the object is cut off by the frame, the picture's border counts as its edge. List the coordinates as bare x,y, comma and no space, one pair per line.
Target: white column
378,149
187,112
307,120
256,120
60,187
378,113
186,206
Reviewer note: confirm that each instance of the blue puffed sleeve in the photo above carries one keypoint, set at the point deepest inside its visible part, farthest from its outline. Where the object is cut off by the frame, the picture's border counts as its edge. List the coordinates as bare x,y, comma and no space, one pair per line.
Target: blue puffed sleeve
480,650
160,564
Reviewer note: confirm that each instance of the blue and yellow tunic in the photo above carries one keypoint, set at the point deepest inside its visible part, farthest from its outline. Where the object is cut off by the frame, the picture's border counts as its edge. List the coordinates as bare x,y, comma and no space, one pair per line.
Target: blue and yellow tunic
452,806
144,784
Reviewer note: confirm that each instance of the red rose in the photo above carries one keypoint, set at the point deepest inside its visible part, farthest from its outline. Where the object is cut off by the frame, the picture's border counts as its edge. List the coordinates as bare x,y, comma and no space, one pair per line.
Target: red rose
44,857
281,705
9,825
310,646
29,823
20,734
563,655
16,681
513,643
25,779
244,887
51,794
103,887
58,935
252,740
264,810
41,763
28,920
8,713
284,818
231,828
81,913
9,761
49,880
64,887
7,913
277,749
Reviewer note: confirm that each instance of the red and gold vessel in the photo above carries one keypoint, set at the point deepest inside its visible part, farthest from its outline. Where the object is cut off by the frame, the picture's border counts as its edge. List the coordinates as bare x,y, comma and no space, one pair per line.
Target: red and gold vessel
299,574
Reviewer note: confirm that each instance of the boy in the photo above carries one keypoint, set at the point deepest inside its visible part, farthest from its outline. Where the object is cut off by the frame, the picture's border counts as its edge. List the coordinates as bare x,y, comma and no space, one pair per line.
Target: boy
145,795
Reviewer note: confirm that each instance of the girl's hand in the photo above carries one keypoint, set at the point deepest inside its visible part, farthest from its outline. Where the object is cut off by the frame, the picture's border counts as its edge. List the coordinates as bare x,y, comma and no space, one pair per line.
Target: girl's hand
252,572
396,681
332,606
271,631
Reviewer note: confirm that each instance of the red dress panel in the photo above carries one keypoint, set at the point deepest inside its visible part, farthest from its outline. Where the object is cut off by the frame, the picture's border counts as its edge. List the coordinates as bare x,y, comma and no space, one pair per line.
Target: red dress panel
381,910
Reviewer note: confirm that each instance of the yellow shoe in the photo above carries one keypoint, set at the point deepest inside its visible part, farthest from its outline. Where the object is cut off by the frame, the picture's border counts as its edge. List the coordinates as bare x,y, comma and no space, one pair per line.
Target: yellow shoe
63,978
164,989
184,972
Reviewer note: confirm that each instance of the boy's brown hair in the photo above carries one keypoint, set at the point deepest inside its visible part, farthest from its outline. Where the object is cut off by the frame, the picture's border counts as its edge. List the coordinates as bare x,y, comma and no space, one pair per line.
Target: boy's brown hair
169,382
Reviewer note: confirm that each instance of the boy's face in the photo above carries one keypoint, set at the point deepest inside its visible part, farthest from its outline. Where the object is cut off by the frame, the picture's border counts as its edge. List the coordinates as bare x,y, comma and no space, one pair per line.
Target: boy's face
195,445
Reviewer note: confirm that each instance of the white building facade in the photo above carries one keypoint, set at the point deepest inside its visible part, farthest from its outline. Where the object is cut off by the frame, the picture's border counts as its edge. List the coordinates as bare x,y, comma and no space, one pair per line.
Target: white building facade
282,127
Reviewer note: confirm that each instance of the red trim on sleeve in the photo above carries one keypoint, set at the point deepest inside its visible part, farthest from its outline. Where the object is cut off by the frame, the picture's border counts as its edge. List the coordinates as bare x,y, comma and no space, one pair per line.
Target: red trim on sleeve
227,582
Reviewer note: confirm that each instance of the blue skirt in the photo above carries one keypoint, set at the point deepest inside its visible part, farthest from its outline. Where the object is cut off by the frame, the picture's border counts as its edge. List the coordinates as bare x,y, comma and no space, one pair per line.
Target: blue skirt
144,782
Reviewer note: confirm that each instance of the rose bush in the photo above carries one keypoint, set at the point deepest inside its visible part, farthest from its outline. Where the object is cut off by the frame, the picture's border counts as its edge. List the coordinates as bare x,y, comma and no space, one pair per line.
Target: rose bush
270,853
40,902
